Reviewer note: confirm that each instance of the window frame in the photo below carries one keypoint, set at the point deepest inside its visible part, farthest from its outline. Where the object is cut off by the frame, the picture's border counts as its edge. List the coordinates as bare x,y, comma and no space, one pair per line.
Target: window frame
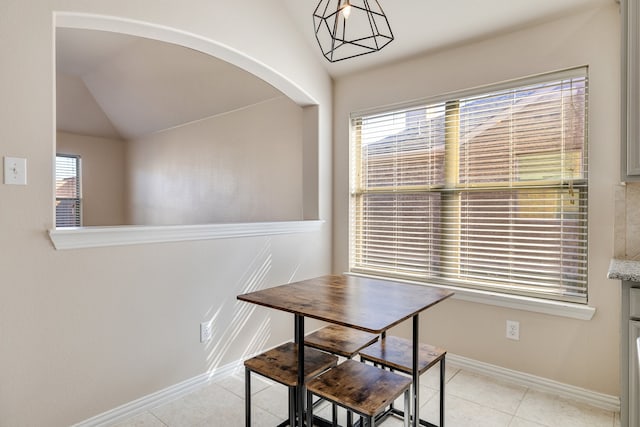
454,97
78,200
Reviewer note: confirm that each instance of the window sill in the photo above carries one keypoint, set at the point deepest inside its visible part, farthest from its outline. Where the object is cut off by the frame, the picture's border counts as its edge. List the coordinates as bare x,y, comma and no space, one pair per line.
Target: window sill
536,305
95,237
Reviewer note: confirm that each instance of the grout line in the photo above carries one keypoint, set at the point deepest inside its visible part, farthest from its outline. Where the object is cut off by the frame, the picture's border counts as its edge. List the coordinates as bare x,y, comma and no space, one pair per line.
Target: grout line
458,370
515,415
157,418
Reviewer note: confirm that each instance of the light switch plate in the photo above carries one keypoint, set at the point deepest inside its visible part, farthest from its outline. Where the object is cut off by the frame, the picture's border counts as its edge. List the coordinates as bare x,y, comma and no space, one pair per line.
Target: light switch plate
15,171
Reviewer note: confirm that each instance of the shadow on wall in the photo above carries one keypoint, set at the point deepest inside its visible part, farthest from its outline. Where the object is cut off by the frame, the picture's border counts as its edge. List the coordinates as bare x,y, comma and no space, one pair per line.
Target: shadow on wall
223,339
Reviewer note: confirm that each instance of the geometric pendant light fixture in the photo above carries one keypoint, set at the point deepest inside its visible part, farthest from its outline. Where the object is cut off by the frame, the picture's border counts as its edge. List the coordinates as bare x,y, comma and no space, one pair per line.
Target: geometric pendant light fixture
348,28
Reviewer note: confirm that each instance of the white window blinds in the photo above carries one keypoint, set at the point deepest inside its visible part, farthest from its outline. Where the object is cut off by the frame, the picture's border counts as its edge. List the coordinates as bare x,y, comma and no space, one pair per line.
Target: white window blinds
68,195
485,191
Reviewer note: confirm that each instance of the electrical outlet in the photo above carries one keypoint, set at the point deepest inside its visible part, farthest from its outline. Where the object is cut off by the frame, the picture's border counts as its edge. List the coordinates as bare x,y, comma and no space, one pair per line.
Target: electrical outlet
513,330
206,331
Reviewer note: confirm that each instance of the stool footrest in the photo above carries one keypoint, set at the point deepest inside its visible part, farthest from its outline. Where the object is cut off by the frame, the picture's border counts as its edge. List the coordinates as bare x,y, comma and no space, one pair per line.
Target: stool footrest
399,413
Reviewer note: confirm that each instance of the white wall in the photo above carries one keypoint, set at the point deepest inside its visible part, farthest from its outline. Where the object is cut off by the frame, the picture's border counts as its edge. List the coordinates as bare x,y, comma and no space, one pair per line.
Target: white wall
243,166
83,331
577,352
103,187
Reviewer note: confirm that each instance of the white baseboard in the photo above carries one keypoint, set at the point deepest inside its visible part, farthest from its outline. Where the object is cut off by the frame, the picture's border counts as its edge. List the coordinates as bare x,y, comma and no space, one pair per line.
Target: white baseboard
600,400
158,398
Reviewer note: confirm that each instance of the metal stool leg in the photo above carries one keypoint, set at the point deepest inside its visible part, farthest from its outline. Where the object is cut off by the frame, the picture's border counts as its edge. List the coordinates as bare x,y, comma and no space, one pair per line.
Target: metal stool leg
292,406
247,397
309,409
407,402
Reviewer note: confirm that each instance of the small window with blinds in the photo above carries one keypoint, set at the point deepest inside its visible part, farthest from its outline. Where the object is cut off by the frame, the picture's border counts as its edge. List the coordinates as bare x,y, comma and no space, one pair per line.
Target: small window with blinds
68,194
485,191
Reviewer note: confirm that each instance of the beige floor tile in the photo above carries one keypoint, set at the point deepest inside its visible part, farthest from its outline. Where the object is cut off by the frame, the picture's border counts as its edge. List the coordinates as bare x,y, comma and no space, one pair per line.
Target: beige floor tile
431,378
464,413
393,422
146,419
234,417
205,405
183,412
274,400
519,422
554,411
235,383
471,401
486,391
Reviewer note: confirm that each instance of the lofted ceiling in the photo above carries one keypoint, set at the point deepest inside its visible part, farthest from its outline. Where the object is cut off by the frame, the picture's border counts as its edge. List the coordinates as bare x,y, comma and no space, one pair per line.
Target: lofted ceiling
118,86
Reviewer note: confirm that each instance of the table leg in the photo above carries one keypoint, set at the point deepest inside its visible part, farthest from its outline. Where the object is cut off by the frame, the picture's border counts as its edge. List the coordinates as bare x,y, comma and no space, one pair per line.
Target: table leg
442,374
415,374
300,390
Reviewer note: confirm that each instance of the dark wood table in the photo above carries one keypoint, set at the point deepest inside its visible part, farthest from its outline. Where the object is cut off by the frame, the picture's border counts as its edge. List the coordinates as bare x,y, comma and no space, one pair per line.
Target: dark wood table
371,305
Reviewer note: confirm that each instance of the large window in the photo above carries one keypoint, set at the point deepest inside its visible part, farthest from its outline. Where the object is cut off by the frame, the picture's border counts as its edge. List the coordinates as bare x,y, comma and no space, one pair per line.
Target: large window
68,194
486,190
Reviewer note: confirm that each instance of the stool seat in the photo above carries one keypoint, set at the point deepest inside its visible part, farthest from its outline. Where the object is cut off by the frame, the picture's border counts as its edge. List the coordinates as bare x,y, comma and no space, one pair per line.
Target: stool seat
340,340
343,341
281,363
396,353
364,389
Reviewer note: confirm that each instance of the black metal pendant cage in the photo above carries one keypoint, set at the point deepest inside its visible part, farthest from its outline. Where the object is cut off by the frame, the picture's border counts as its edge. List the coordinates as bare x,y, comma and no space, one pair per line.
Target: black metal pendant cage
349,28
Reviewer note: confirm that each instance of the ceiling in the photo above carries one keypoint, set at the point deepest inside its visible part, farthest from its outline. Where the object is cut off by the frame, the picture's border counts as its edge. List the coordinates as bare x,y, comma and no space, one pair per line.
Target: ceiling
118,86
422,26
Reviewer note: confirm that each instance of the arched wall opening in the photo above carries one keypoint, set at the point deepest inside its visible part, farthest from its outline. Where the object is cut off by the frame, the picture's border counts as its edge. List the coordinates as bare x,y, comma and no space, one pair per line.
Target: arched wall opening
309,135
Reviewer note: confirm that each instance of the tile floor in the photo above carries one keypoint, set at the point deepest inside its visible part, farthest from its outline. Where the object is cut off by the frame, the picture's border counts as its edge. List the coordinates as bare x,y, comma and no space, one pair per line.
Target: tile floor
472,400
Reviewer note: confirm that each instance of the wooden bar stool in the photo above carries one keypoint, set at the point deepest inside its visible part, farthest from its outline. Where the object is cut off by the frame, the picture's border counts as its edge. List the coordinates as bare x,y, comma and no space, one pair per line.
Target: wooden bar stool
363,389
280,364
395,353
342,341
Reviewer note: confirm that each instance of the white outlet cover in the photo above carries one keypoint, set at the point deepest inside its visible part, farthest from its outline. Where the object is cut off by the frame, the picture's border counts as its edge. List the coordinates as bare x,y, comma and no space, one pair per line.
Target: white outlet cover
513,330
15,171
206,331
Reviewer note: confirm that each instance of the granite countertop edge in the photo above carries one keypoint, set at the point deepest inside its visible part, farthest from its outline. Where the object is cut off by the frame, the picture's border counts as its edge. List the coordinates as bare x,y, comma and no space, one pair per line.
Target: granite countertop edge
624,269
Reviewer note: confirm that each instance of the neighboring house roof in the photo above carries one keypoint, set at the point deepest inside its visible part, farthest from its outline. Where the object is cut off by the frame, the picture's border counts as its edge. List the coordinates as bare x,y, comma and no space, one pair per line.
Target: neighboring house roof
67,187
